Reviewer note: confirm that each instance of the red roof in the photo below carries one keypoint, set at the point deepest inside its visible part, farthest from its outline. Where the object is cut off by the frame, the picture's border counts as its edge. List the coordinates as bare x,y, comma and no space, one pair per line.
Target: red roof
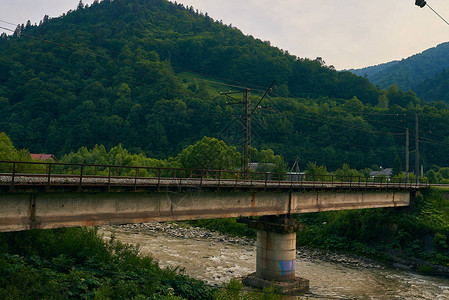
43,156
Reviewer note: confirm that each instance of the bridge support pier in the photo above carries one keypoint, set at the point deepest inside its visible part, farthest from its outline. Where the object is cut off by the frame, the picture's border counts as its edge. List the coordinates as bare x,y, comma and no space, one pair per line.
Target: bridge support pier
276,255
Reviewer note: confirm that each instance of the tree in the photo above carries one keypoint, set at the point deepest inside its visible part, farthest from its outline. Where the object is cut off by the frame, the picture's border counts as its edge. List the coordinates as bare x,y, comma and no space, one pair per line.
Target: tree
433,176
209,153
397,167
316,172
345,173
282,90
7,149
268,161
28,25
444,172
354,105
9,152
382,101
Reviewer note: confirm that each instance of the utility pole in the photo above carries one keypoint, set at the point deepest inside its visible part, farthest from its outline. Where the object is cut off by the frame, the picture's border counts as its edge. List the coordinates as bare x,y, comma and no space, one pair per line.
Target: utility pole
407,156
247,139
246,117
296,163
417,150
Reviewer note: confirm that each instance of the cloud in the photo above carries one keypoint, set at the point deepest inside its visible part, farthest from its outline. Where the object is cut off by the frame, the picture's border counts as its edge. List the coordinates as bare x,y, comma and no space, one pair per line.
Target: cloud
351,33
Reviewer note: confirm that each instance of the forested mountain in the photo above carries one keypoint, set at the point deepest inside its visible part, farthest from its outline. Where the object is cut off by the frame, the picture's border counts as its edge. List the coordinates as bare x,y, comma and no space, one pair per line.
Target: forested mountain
435,88
373,70
410,73
148,74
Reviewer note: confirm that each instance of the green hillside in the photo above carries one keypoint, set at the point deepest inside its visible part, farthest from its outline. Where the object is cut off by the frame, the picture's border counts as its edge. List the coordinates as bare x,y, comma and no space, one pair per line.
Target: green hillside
371,71
412,72
148,74
435,88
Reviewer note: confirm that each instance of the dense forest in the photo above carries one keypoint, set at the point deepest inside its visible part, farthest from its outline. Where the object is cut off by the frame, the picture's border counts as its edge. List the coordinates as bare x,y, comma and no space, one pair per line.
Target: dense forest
425,73
139,73
436,87
371,71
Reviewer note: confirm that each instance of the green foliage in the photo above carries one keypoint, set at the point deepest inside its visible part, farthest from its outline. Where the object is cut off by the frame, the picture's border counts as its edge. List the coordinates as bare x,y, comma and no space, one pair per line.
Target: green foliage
354,105
316,172
425,73
411,178
345,173
9,152
117,156
440,241
313,169
209,153
435,88
234,291
433,176
426,269
77,263
440,175
397,167
373,232
268,161
434,213
382,101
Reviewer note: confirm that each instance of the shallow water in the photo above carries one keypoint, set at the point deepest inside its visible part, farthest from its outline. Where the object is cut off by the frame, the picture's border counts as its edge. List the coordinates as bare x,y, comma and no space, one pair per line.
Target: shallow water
217,262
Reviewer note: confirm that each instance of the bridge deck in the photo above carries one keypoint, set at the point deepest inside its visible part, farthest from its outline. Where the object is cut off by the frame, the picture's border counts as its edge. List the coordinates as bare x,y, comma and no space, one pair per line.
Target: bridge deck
52,198
58,182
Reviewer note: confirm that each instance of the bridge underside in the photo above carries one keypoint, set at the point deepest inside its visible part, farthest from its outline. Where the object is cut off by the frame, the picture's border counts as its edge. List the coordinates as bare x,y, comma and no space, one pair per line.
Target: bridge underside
39,210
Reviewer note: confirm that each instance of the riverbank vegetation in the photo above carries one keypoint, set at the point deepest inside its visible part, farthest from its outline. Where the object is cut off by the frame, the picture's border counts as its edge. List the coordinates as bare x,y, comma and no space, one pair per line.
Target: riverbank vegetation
72,263
419,230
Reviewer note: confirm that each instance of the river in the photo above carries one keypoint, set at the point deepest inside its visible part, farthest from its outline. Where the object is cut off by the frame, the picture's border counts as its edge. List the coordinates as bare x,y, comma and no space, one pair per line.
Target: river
216,258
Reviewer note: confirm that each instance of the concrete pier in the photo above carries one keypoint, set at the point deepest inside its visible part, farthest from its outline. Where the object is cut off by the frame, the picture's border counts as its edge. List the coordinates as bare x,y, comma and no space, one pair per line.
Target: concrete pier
276,255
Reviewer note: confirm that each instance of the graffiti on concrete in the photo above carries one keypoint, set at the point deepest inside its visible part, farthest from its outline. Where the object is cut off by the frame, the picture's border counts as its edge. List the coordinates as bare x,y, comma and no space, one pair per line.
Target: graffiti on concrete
287,267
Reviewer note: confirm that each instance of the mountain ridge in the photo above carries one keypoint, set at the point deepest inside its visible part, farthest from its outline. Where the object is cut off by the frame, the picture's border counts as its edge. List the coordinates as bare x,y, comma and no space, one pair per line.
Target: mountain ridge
410,73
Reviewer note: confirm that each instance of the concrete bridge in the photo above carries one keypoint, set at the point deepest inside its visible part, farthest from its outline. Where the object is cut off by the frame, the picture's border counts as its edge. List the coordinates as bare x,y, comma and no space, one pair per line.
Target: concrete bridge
51,195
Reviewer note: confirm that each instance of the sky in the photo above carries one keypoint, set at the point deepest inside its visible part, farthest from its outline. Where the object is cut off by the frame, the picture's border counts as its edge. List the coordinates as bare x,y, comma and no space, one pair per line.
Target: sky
346,34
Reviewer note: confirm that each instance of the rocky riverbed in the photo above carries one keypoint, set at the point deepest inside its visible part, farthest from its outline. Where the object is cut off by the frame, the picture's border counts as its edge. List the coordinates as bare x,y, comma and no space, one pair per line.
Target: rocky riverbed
181,230
216,258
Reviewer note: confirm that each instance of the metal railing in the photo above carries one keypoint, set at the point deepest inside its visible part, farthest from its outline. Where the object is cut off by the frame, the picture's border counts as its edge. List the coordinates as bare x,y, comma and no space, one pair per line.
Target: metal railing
15,173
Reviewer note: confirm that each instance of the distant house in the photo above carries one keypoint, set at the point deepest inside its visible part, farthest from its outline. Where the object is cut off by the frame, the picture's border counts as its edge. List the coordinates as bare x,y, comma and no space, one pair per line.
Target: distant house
44,157
387,172
267,167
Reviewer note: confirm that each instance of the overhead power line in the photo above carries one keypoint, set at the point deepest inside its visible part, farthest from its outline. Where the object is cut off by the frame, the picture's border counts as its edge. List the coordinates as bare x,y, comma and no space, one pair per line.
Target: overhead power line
9,23
422,3
57,44
437,14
